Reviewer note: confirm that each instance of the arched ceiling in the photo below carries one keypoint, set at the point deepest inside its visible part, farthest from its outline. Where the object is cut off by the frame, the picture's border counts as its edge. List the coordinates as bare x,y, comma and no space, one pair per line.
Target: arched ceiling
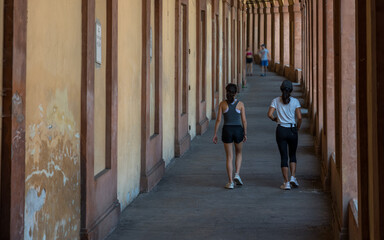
271,2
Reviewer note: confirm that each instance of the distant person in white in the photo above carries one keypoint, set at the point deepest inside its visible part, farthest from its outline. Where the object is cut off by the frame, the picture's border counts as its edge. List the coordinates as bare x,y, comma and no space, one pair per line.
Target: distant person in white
265,57
288,110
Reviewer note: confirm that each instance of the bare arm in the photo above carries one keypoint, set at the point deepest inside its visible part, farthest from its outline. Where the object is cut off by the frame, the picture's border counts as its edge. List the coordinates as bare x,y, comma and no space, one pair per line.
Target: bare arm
270,114
298,116
244,121
217,124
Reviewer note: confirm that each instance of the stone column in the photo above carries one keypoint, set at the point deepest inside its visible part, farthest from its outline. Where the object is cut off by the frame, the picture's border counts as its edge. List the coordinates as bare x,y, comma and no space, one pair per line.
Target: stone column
313,109
297,40
275,48
309,62
284,38
261,26
268,26
310,55
306,52
305,46
320,74
256,30
329,94
345,108
250,28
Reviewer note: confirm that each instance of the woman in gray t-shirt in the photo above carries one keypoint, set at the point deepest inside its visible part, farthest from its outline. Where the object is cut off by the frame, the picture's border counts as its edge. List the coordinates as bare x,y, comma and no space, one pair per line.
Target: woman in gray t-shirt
288,110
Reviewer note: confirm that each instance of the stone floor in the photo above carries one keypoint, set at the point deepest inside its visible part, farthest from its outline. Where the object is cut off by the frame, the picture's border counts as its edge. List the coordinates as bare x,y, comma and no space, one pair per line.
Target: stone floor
191,202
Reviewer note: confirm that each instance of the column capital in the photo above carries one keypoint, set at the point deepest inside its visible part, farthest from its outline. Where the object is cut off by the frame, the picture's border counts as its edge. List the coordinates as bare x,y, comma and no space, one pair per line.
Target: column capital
294,8
284,9
240,5
261,11
276,10
234,3
255,11
267,10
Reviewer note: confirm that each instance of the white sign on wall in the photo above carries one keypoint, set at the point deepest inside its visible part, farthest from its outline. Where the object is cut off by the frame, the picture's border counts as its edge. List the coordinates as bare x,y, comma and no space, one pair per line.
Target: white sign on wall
98,42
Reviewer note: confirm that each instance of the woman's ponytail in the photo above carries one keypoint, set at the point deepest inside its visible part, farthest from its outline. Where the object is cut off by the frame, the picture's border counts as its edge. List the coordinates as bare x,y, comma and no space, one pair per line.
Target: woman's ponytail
286,88
286,95
231,92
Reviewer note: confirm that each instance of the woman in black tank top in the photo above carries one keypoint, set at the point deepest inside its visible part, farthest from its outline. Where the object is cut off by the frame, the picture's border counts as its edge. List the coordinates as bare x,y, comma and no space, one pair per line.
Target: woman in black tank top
234,130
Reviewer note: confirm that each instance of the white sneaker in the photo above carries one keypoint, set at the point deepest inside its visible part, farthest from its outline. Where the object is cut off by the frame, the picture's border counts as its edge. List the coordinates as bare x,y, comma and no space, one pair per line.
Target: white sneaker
286,186
238,179
230,185
294,182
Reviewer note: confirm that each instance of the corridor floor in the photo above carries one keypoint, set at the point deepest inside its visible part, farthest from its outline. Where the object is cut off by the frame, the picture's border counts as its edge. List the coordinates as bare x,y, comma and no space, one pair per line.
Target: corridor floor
191,202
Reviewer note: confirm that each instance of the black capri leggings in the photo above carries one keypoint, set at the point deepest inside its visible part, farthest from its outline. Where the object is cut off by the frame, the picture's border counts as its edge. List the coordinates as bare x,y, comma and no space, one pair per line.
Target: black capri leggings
287,137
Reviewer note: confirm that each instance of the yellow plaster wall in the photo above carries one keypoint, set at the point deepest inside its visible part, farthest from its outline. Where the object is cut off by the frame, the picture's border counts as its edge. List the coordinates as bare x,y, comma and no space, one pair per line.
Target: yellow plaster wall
169,11
192,68
209,61
129,100
53,83
100,91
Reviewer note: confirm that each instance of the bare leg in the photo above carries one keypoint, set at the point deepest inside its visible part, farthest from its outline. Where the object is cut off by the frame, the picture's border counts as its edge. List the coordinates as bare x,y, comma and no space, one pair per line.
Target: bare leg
284,170
239,156
293,168
251,68
229,154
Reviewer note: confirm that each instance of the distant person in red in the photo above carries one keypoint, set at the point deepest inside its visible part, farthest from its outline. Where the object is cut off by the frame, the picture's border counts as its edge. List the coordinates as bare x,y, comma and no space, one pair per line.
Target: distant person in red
234,130
265,58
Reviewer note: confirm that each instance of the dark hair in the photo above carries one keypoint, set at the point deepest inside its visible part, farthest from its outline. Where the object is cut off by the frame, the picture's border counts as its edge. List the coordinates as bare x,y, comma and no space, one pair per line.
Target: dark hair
286,89
231,92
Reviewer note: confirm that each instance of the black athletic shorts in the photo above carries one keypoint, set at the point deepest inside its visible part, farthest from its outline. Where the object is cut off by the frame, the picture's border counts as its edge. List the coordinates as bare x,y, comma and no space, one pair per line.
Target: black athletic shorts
249,60
232,133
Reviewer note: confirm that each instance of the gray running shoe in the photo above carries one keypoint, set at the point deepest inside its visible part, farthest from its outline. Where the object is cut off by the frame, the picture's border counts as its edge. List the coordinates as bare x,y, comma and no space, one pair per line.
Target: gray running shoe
238,179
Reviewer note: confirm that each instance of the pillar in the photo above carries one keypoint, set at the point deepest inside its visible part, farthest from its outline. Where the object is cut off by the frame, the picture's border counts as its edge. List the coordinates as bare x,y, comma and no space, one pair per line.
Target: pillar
250,28
256,29
252,33
297,38
329,94
268,26
261,26
345,109
284,35
320,74
275,48
313,71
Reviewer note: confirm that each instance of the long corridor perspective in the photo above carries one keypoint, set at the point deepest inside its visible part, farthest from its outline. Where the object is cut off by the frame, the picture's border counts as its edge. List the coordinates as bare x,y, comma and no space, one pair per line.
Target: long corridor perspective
108,108
190,202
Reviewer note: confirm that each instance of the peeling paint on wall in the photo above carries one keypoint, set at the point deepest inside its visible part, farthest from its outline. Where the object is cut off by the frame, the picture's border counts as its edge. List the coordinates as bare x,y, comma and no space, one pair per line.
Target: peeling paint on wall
33,204
52,207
